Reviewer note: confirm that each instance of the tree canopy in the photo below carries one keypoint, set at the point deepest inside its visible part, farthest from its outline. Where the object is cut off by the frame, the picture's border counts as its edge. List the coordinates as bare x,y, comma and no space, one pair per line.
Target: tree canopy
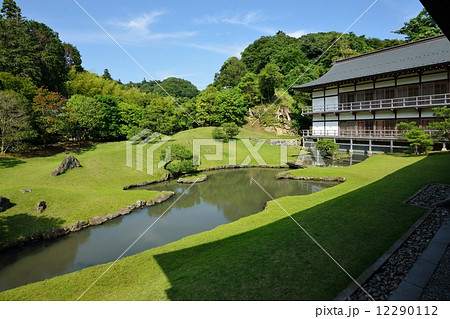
421,27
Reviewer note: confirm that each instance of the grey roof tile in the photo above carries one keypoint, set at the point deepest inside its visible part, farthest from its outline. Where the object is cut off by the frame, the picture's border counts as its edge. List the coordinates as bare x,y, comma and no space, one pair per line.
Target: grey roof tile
407,57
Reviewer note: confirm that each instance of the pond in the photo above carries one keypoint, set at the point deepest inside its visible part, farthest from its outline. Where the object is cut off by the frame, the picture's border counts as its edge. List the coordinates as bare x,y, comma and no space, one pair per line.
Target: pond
225,197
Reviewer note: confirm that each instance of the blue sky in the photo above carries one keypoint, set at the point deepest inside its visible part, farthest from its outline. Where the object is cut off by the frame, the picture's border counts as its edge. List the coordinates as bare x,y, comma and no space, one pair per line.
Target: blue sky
192,39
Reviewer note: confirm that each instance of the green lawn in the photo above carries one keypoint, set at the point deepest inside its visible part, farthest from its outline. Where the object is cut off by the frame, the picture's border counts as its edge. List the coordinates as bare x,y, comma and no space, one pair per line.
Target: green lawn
94,189
267,256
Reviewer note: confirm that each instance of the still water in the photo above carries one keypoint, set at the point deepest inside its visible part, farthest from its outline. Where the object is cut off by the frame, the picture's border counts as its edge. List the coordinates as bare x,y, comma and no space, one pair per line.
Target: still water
225,197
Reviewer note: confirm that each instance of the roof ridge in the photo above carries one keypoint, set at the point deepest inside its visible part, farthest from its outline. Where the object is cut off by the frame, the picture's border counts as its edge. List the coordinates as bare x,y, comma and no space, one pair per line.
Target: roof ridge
396,47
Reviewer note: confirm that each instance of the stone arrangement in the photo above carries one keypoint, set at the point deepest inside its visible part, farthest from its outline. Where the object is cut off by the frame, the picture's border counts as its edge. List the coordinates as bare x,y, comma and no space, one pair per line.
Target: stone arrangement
68,163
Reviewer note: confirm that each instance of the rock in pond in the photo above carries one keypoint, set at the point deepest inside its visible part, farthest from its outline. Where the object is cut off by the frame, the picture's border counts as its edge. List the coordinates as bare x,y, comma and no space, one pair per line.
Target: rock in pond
192,179
160,198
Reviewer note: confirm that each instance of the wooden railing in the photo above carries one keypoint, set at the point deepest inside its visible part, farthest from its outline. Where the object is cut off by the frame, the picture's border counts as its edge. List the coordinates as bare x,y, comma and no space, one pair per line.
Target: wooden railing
347,133
377,105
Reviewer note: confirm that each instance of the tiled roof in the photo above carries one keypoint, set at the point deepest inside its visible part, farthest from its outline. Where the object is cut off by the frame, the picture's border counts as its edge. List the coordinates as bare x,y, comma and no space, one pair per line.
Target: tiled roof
403,58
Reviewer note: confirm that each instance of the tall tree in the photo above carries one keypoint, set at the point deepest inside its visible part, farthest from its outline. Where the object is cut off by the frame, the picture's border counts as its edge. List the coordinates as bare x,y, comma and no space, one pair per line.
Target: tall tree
47,106
72,57
14,122
421,27
51,56
230,74
269,79
441,127
106,75
10,10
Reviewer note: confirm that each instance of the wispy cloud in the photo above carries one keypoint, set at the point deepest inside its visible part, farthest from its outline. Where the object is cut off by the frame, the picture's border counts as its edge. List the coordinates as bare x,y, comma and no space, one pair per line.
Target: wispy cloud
142,22
138,29
238,19
228,50
297,34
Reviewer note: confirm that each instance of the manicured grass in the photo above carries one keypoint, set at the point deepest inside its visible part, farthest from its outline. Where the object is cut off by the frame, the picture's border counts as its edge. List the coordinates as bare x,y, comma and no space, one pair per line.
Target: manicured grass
267,256
94,189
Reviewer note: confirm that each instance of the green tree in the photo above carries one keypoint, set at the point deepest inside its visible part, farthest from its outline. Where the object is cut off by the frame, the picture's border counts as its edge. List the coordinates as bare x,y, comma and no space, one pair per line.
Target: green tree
22,85
269,79
178,159
421,27
442,127
81,118
231,129
10,10
230,73
106,75
51,56
72,57
47,107
159,116
15,125
416,137
219,133
249,86
109,114
177,88
328,146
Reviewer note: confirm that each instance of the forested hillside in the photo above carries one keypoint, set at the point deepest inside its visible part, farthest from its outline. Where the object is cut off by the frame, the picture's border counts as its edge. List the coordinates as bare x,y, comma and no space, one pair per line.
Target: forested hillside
46,96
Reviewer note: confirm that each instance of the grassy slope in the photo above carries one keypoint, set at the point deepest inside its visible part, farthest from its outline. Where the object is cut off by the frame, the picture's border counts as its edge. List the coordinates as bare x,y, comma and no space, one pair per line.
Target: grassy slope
266,256
92,190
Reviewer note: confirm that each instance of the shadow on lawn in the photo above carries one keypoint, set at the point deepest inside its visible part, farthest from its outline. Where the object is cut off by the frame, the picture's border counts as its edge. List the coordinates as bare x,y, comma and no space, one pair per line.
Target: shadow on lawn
7,162
279,262
22,225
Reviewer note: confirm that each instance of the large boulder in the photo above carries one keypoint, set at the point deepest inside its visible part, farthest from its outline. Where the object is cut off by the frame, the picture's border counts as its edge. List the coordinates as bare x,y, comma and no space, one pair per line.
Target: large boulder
68,163
5,203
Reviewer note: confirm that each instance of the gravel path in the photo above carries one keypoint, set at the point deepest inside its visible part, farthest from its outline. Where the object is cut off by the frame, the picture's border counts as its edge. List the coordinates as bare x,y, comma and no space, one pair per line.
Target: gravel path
389,276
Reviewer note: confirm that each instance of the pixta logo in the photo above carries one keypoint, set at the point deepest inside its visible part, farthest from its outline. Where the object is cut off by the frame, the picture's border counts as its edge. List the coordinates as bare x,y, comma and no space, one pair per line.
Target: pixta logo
143,151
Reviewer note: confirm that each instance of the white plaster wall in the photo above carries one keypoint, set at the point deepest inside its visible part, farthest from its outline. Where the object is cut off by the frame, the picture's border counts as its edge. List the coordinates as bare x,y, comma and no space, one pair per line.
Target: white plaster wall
364,116
317,94
331,103
384,84
403,114
427,113
331,117
364,86
329,92
345,89
434,77
317,128
384,115
412,80
332,128
318,104
346,117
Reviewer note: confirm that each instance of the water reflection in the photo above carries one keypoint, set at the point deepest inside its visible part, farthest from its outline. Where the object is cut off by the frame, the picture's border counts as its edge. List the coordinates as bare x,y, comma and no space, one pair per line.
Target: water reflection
225,197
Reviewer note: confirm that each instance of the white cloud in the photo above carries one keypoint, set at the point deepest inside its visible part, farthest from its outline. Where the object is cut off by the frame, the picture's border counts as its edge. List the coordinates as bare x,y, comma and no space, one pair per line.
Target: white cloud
238,19
137,29
297,34
229,50
141,23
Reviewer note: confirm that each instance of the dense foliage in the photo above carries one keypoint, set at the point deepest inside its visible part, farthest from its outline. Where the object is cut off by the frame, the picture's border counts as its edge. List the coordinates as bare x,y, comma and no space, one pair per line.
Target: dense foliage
421,27
55,99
